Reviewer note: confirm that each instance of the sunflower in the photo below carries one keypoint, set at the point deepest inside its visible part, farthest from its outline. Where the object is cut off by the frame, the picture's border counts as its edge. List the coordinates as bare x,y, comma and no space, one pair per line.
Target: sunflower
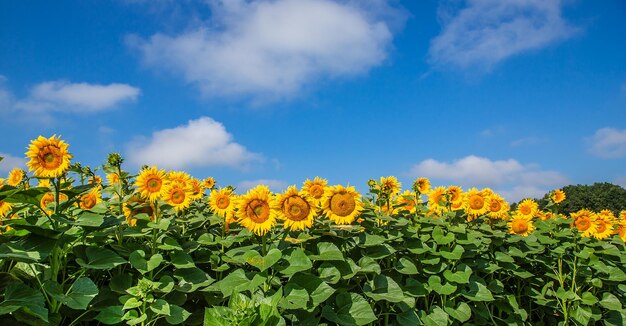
557,196
15,177
136,205
208,183
223,203
177,196
476,202
256,210
95,180
179,178
388,209
521,225
460,204
407,201
90,199
342,204
621,229
544,216
315,189
422,185
296,209
437,201
622,215
113,178
152,184
498,207
196,189
48,198
2,182
48,157
390,185
456,197
44,183
603,223
584,222
528,208
4,208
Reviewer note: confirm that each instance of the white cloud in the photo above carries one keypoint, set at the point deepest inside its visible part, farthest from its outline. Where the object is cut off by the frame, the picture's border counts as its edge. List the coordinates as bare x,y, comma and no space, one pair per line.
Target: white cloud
509,177
9,162
486,32
272,49
274,185
202,142
76,97
608,143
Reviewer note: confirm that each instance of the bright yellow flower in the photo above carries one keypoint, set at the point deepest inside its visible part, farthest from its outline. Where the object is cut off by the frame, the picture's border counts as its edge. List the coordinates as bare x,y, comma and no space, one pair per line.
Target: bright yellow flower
521,225
90,199
113,178
256,210
437,202
315,189
422,185
15,177
603,224
621,230
407,201
136,205
208,183
528,208
296,209
342,204
223,203
476,203
456,197
177,196
390,185
48,157
498,207
48,198
44,183
152,184
4,208
197,190
622,215
96,179
544,216
558,196
584,222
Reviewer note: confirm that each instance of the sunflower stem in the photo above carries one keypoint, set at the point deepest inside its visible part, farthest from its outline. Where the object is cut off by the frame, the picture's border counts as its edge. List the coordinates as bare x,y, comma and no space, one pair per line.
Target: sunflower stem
264,244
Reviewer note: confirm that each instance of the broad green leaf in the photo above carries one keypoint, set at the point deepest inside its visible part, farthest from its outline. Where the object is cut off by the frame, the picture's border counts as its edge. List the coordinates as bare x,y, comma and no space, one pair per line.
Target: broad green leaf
441,238
582,314
408,318
317,289
437,317
434,283
262,263
461,276
610,301
327,251
370,240
296,261
83,290
160,307
477,291
20,296
383,288
111,315
349,309
406,266
295,297
177,315
138,261
455,254
181,259
191,279
462,312
100,258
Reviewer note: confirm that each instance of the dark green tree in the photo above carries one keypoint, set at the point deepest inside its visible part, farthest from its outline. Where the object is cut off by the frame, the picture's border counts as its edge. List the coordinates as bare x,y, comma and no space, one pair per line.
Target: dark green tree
596,197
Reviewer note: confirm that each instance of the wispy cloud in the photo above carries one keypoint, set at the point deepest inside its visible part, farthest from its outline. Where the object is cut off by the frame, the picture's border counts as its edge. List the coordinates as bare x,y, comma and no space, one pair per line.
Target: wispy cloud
203,142
63,96
274,185
270,50
608,143
486,32
9,162
509,177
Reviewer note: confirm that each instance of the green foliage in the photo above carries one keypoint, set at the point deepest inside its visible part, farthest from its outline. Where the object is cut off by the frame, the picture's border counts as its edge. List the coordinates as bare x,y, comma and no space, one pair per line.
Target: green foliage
595,197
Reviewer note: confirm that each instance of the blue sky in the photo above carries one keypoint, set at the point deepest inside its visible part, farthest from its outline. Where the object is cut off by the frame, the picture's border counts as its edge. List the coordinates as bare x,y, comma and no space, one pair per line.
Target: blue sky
522,96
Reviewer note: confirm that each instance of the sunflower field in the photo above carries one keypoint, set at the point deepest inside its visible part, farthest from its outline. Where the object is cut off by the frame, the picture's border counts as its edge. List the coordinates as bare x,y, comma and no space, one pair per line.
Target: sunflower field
162,247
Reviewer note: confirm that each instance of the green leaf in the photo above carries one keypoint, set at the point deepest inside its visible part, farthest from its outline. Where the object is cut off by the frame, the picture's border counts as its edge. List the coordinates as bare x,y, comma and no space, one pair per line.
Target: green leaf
181,259
434,283
120,282
235,282
461,276
170,244
160,307
349,309
296,261
462,312
588,298
383,288
100,258
30,250
191,279
477,291
262,263
317,289
610,301
455,254
79,296
111,315
582,314
131,303
441,238
327,251
20,296
408,318
177,315
138,261
370,240
368,265
437,317
406,266
295,297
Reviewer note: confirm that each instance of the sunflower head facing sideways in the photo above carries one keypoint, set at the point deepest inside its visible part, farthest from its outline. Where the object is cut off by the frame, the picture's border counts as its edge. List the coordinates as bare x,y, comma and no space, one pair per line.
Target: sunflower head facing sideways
48,157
